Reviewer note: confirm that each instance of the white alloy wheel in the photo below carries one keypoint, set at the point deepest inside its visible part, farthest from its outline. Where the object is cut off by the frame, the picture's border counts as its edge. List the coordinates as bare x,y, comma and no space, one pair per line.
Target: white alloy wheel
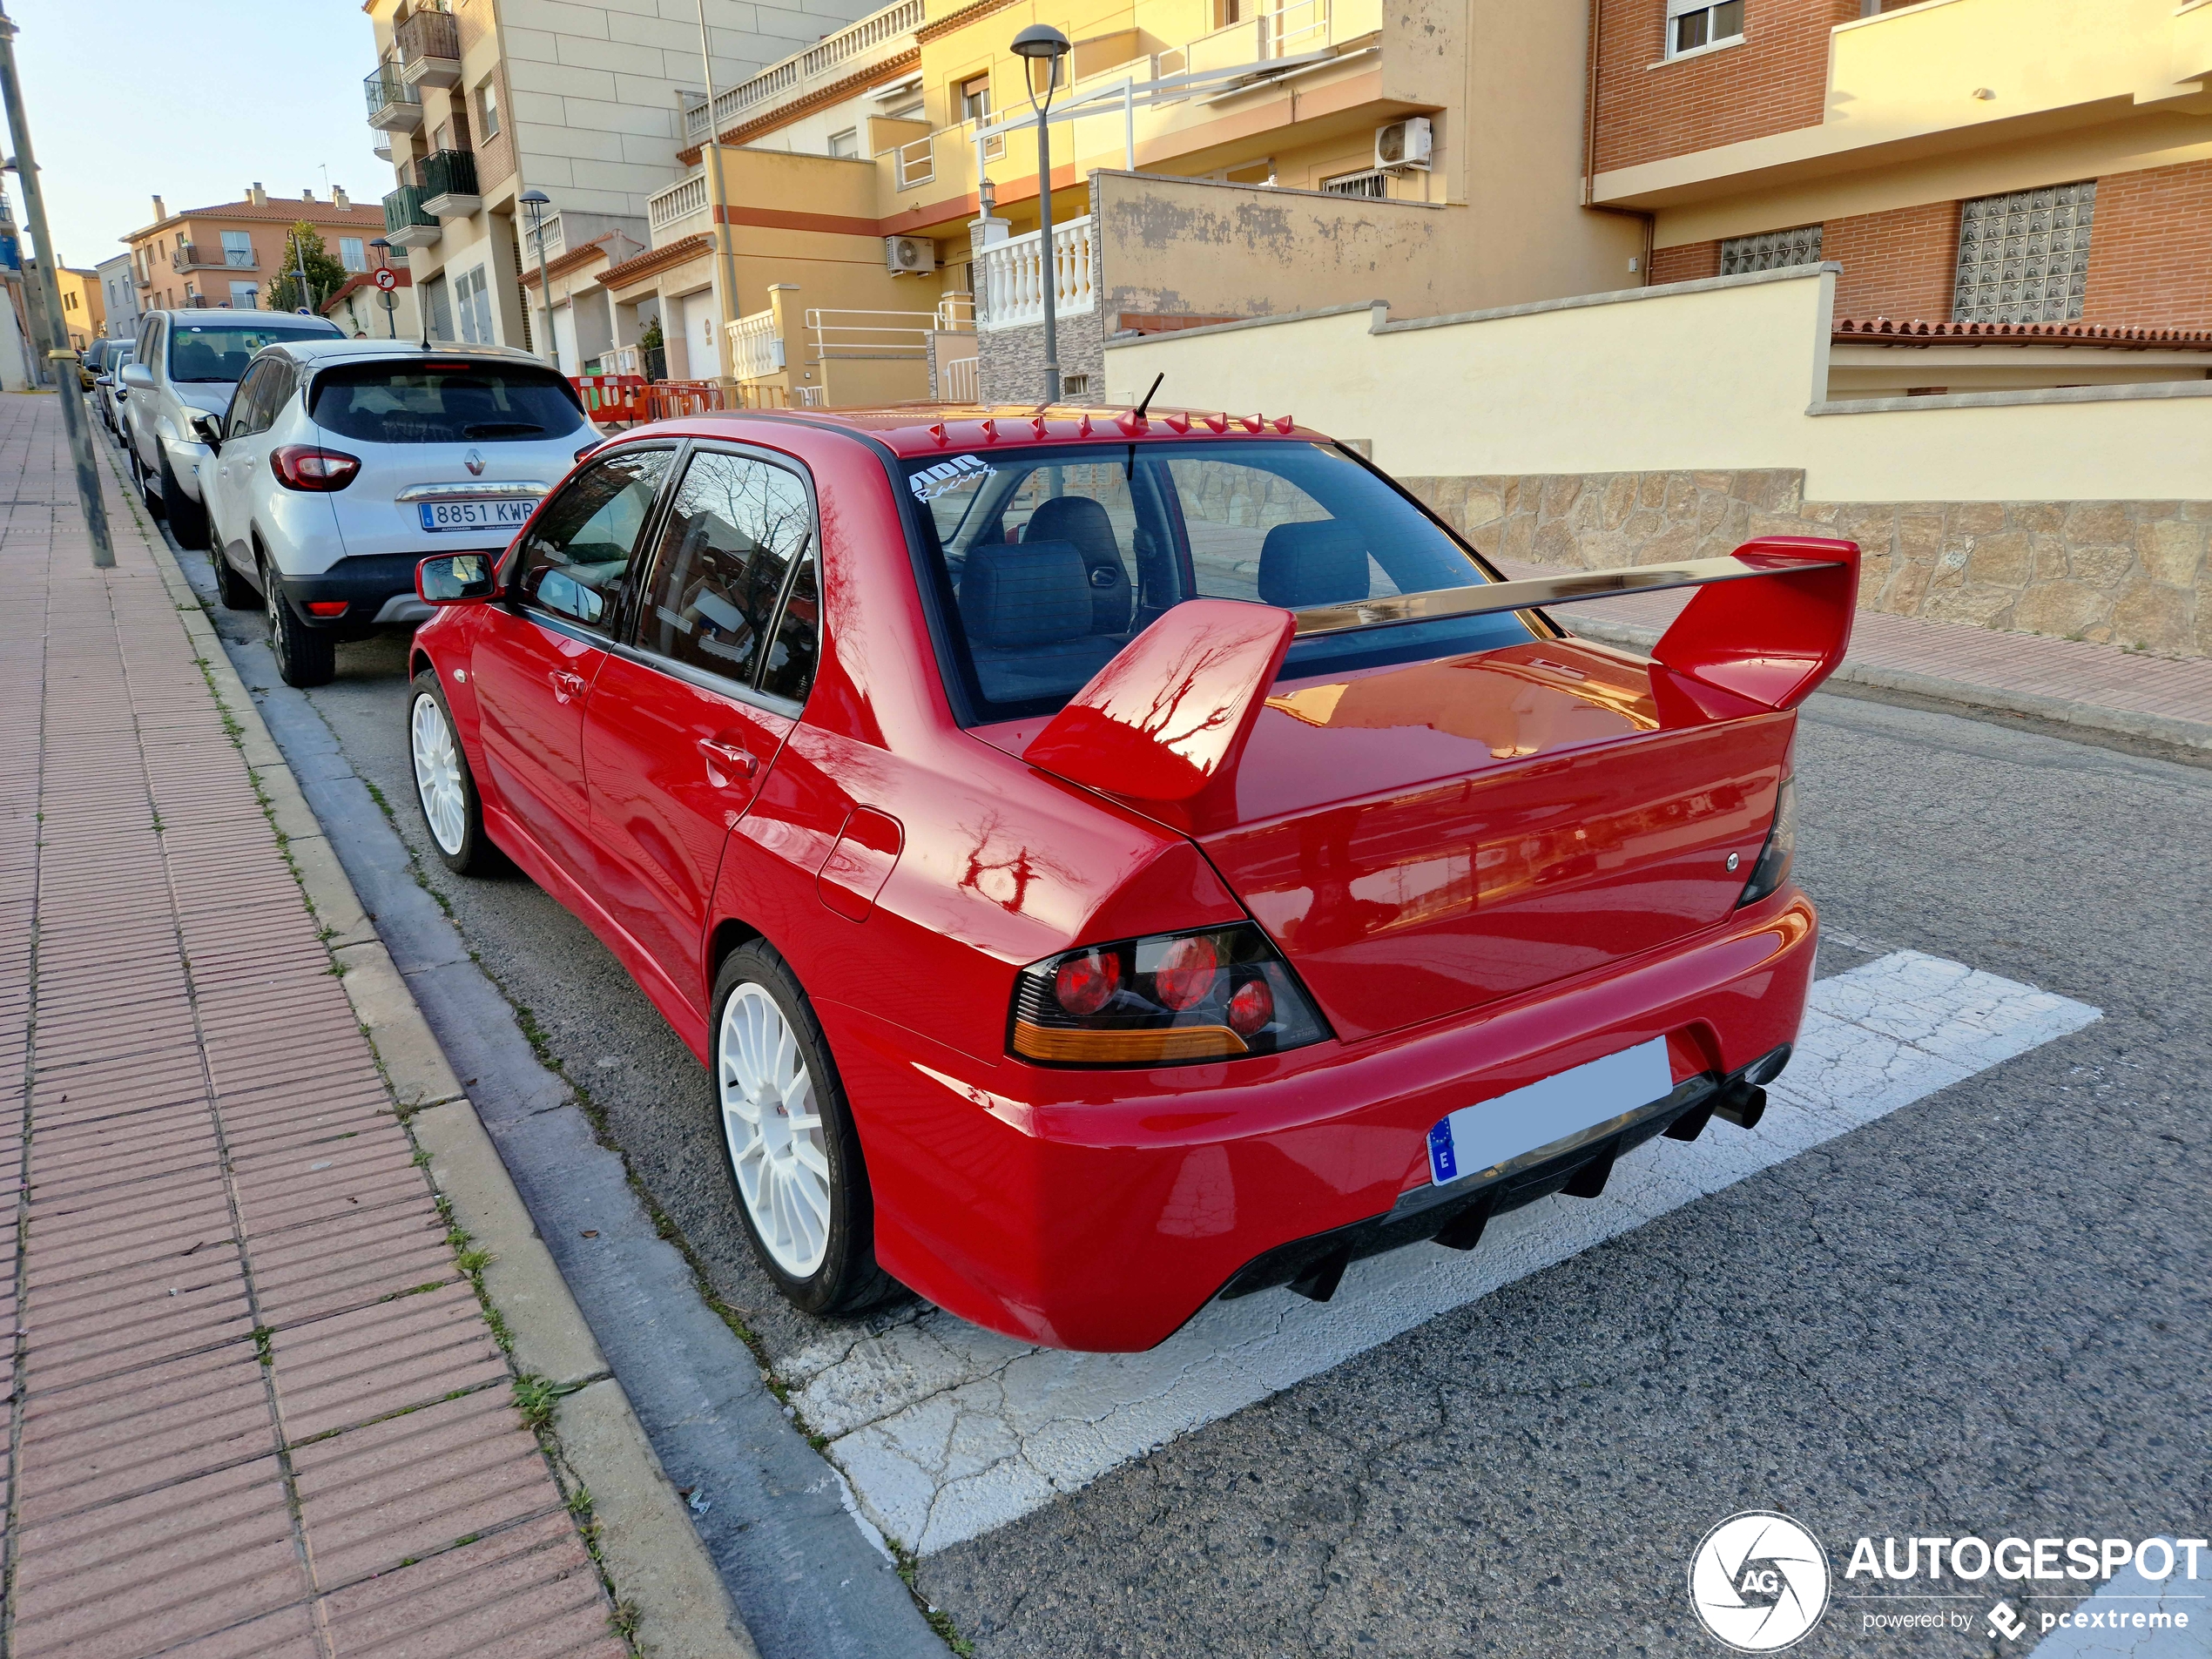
774,1126
437,774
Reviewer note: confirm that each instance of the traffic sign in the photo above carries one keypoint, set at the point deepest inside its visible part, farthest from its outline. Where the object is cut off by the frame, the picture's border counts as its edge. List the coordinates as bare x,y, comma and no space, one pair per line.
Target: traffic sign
386,279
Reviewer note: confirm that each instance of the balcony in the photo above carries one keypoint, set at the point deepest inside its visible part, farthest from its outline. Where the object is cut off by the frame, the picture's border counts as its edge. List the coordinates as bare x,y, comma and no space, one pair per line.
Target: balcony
1011,275
394,106
190,256
448,178
407,223
881,35
677,212
429,44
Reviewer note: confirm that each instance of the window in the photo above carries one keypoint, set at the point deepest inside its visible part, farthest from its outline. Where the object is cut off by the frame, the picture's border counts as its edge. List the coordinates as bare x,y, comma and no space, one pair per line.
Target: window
352,253
578,549
488,108
739,537
2025,257
1370,183
1770,250
472,299
237,250
219,352
975,99
846,144
260,394
489,403
1048,565
1693,25
245,297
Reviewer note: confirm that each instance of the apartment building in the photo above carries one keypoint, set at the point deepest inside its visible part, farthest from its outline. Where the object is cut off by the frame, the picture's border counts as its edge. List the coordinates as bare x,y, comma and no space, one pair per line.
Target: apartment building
2019,192
229,253
1211,159
480,102
83,308
118,296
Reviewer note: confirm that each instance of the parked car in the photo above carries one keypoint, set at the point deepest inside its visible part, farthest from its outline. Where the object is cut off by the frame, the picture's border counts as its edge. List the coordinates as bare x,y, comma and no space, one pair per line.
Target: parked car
1106,863
107,387
95,361
187,363
343,462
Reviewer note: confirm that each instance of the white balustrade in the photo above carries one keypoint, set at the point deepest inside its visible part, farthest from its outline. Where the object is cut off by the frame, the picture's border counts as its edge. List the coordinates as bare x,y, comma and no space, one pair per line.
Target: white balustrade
1011,276
680,200
779,79
756,349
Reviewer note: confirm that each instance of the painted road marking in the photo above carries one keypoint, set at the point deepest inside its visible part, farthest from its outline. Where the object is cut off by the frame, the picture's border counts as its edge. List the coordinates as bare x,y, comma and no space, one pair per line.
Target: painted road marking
946,1431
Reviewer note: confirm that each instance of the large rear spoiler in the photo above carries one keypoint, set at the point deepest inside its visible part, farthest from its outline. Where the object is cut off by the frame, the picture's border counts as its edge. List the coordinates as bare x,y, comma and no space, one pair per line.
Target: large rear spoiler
1169,717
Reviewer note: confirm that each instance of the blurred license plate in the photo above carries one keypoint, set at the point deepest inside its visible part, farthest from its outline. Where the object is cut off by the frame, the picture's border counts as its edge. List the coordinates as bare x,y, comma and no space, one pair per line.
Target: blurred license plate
1478,1138
477,515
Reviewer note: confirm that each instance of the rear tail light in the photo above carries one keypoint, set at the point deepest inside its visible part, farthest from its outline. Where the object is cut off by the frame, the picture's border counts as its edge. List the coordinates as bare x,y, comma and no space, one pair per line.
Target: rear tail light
1169,999
309,466
326,607
1773,867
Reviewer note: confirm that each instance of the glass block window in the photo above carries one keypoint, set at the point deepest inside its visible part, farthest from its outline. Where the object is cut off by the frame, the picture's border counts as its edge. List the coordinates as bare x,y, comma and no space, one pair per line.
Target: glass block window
1770,250
2025,257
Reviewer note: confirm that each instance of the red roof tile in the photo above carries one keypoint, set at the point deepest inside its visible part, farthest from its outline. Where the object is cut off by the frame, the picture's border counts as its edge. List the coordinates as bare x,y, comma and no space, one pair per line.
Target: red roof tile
1883,331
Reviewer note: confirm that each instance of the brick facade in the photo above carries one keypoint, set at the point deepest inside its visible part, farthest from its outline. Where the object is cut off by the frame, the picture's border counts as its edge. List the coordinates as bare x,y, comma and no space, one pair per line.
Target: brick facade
1777,81
2150,253
1686,263
1899,264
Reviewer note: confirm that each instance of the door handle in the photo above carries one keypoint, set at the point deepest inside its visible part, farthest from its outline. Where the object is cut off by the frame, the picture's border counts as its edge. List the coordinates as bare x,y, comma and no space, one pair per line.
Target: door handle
566,685
738,760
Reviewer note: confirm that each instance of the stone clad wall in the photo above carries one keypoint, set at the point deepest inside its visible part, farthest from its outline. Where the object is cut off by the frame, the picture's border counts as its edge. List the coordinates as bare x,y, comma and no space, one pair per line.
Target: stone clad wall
2132,573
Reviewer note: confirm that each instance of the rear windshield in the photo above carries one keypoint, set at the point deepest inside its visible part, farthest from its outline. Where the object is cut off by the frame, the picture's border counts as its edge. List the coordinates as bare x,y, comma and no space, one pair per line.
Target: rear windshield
1048,562
418,402
220,351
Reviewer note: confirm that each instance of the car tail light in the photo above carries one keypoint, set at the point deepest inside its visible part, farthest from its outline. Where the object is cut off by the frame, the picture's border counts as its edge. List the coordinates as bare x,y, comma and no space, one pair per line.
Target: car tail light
1781,847
309,466
326,607
1169,999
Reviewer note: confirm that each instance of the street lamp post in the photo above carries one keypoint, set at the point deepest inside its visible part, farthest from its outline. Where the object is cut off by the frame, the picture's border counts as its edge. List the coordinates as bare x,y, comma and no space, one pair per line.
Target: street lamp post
725,310
386,297
1041,40
537,201
50,288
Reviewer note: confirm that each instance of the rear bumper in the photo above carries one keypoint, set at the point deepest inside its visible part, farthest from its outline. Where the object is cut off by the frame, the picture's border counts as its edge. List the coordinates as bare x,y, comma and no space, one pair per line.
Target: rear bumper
1100,1210
373,588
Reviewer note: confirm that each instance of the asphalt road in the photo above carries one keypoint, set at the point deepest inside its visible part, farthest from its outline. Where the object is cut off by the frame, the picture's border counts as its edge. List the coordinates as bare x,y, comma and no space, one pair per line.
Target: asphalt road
1985,1314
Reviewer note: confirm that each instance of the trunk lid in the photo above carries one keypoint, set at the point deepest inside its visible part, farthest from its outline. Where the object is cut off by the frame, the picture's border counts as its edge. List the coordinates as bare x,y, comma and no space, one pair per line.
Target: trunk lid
1425,839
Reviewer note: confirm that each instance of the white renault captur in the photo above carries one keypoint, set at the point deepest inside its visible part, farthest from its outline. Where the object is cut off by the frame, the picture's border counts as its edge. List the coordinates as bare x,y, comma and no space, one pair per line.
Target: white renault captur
344,462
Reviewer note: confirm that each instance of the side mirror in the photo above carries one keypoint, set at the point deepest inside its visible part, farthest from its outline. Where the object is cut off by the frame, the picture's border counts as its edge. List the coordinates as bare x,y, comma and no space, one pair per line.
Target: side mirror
453,579
137,376
208,430
104,380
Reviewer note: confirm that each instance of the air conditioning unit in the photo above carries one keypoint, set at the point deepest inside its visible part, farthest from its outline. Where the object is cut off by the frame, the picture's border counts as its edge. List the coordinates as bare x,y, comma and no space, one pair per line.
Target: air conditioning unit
1403,143
909,256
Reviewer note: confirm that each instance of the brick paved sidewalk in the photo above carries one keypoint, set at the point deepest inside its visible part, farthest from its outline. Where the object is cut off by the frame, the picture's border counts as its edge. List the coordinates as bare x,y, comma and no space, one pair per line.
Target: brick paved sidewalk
254,1406
1977,660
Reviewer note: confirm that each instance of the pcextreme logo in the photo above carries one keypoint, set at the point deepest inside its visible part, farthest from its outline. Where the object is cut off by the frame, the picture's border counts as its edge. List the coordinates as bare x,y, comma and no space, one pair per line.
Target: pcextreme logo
1760,1581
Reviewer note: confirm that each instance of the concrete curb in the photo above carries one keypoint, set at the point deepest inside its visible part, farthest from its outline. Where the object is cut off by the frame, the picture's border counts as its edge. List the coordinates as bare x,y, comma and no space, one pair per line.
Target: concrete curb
2185,734
652,1552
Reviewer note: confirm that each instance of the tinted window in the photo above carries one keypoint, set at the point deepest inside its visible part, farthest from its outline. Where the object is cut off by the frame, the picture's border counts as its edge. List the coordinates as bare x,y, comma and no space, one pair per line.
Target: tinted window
1051,562
445,403
797,644
218,351
578,549
250,408
735,530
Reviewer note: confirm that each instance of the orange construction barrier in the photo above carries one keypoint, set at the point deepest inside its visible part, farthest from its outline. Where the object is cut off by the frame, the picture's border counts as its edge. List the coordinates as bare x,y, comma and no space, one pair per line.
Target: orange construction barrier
666,400
611,400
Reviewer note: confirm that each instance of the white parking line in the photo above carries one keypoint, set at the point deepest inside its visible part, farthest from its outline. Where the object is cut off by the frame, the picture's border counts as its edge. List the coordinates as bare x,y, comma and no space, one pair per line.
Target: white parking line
946,1431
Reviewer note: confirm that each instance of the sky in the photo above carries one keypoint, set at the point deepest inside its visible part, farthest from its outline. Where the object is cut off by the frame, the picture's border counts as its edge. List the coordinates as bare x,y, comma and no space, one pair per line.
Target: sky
129,99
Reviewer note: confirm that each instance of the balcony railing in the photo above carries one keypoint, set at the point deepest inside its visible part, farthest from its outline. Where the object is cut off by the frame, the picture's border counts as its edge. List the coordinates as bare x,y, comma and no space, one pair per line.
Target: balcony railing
393,104
676,202
1011,276
190,256
1298,27
900,335
403,211
777,79
755,350
447,173
429,44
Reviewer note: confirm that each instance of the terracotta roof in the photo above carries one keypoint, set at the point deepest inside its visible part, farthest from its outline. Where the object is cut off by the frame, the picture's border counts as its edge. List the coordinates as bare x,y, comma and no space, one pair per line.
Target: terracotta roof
277,210
1882,331
660,258
576,258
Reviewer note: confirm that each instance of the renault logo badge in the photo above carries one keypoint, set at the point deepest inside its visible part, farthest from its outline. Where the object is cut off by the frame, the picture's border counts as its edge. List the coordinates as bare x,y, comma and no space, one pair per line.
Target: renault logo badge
474,462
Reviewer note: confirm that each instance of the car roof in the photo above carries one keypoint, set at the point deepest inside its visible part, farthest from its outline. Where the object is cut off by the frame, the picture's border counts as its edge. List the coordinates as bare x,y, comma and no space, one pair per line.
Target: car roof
324,349
915,430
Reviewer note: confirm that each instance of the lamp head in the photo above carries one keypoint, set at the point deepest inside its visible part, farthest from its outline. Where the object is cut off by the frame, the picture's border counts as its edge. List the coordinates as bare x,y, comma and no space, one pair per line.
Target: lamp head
1040,40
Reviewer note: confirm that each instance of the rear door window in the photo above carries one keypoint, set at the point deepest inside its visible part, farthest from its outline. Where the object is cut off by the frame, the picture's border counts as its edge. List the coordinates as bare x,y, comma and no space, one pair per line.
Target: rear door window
417,403
577,549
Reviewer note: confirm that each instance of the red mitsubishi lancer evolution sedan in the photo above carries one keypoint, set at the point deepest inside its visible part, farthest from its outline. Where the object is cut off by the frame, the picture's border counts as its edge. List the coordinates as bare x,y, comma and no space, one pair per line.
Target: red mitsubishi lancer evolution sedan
1109,861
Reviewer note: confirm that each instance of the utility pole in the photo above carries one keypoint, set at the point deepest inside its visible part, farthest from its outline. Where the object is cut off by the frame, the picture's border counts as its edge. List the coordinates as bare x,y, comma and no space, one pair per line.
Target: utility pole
726,311
49,290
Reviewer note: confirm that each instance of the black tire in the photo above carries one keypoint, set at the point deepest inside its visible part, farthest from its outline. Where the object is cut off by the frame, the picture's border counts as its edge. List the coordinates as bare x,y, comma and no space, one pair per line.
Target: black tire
305,656
139,481
187,518
474,855
234,589
848,1281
